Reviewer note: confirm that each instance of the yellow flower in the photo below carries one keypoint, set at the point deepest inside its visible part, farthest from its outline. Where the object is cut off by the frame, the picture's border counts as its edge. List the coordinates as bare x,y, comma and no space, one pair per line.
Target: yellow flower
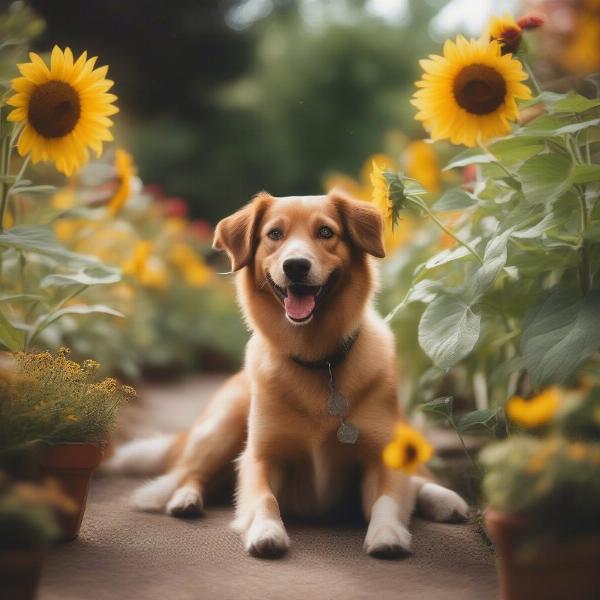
469,94
149,270
422,164
65,109
197,274
506,31
63,199
537,410
125,172
408,450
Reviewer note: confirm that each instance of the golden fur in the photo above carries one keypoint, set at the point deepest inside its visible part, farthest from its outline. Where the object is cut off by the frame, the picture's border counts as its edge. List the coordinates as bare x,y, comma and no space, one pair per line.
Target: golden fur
274,411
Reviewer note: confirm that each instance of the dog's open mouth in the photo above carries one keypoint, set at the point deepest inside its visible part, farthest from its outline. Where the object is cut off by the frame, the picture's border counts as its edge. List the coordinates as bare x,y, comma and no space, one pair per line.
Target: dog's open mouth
299,300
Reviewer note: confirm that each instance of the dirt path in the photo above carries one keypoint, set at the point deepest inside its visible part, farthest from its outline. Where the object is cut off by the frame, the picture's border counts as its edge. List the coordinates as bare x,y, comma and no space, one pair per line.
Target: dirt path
122,554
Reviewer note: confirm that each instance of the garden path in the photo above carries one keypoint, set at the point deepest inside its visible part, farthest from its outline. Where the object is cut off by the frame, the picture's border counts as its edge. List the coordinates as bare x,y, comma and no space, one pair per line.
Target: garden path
122,554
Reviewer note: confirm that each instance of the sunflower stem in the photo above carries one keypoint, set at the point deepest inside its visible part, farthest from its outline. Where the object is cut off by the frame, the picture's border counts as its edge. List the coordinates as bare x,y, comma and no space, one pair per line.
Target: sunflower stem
451,233
534,82
4,164
495,159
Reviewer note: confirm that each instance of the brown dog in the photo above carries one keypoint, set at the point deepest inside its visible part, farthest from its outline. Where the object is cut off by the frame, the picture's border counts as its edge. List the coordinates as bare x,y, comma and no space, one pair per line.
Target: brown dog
316,401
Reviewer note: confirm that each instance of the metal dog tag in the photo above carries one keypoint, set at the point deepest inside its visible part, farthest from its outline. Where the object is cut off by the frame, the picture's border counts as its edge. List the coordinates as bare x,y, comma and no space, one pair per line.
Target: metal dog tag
347,433
337,405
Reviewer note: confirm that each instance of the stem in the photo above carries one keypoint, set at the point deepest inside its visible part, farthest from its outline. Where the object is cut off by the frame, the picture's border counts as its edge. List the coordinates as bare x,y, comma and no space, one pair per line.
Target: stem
464,446
46,320
393,312
495,160
584,267
4,165
450,233
534,82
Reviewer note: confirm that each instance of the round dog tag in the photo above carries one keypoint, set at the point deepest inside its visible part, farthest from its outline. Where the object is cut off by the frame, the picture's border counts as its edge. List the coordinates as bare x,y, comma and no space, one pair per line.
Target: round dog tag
347,433
337,405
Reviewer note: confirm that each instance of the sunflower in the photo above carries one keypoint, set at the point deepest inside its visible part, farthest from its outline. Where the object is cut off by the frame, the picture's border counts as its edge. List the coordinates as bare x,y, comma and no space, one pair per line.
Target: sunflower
506,31
148,269
408,449
64,108
470,93
535,411
125,172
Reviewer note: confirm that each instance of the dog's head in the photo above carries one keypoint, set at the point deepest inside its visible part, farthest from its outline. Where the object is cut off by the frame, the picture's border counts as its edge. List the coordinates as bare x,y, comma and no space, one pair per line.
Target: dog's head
303,251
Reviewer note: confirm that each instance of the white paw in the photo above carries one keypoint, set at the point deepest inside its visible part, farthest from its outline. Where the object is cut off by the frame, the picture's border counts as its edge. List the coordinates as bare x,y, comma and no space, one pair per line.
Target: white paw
154,495
387,540
441,504
267,538
186,502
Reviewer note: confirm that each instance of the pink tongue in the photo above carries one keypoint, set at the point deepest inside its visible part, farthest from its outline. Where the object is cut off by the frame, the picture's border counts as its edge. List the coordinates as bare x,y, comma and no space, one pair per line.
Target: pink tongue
299,307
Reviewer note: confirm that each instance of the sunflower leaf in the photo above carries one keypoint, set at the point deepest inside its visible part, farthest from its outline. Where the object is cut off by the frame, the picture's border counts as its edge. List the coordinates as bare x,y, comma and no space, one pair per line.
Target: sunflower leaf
448,330
574,103
545,177
439,407
454,199
472,156
10,336
87,276
484,417
561,332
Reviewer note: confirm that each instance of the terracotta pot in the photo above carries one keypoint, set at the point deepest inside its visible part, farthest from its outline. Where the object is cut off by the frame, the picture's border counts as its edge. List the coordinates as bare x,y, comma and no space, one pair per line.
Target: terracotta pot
567,570
72,465
20,573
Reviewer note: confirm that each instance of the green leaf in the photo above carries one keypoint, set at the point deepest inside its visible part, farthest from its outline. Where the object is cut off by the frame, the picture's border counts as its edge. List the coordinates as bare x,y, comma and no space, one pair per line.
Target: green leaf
33,189
19,297
562,331
451,254
559,214
477,418
440,407
573,103
575,127
424,290
454,199
87,276
515,149
472,156
494,259
548,98
545,177
448,330
41,240
585,174
10,337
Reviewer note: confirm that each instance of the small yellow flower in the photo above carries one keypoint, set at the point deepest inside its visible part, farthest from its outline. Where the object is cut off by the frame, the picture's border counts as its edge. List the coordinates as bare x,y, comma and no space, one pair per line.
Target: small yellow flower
65,108
408,450
469,94
125,169
535,411
422,164
149,270
506,31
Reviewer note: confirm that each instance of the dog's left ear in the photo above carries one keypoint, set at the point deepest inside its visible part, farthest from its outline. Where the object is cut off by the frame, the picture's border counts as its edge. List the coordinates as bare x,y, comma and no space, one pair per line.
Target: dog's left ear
362,222
236,234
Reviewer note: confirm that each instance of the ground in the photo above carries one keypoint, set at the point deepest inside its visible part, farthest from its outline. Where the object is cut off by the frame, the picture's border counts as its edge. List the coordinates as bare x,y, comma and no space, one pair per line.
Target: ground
122,554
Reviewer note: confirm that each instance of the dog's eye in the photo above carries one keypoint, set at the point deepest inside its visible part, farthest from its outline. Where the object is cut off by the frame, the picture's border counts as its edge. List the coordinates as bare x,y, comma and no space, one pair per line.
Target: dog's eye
325,232
275,234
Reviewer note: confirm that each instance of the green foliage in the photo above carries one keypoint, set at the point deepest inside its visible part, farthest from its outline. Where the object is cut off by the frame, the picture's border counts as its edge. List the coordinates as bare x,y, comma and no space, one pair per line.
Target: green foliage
52,399
519,291
28,514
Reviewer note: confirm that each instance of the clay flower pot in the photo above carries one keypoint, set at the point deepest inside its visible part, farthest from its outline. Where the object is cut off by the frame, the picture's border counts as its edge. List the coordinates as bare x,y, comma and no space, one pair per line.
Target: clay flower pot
20,573
72,464
549,571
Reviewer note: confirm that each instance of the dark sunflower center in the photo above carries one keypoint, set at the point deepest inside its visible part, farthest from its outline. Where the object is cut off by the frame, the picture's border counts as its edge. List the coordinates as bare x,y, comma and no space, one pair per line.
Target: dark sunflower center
54,109
479,89
410,454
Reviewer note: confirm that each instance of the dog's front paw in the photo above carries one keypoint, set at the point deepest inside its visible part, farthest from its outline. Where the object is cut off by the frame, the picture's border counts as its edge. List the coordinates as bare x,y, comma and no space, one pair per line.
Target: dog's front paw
267,538
441,504
387,540
186,503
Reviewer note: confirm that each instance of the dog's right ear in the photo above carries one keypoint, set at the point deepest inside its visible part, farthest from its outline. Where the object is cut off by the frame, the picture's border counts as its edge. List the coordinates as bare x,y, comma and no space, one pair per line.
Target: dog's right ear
236,234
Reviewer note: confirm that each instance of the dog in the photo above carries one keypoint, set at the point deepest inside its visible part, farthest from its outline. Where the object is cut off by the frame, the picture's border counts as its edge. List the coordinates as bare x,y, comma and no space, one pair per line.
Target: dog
316,401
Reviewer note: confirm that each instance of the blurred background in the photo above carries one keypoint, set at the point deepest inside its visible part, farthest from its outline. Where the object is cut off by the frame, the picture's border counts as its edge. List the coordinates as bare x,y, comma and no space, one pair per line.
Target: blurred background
222,98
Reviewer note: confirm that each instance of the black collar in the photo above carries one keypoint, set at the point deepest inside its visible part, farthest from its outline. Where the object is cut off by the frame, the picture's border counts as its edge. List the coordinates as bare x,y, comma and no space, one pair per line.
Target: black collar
331,360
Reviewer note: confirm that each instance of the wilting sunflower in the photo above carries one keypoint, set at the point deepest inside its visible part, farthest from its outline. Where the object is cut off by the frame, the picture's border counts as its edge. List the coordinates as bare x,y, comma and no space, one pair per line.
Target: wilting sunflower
408,450
64,108
470,93
506,31
534,411
125,172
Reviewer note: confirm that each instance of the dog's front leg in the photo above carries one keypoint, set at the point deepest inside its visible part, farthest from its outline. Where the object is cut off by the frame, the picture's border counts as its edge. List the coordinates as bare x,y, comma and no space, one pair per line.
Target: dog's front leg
388,502
257,511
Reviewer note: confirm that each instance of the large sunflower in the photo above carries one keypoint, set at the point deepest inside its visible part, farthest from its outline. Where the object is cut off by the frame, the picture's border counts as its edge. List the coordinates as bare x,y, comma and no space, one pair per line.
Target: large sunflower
470,93
64,109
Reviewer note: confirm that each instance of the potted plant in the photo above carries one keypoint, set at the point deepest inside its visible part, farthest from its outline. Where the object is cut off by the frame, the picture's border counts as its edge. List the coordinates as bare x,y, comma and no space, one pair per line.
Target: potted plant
28,525
542,488
62,412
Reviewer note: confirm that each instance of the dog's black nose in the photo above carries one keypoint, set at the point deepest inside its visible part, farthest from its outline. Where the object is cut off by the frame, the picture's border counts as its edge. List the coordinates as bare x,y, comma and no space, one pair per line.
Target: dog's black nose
296,268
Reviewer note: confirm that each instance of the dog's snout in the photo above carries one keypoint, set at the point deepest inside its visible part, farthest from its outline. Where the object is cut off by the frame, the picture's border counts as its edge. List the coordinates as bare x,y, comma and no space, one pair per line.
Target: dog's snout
296,268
